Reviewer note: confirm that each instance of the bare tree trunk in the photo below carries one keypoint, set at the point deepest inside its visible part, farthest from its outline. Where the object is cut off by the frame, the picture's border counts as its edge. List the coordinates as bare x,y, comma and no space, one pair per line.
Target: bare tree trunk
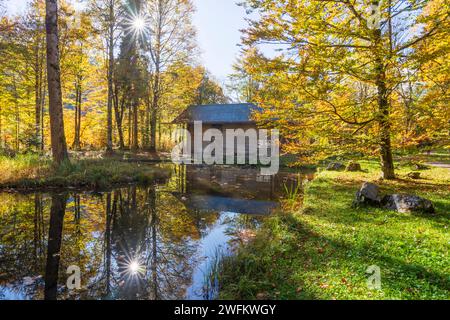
153,125
77,131
130,131
37,92
109,143
75,142
135,143
58,138
146,121
119,119
42,136
154,111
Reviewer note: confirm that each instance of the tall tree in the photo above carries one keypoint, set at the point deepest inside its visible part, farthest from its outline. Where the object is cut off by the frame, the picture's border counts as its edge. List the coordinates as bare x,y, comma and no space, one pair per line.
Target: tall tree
170,39
108,13
339,65
131,67
58,138
35,30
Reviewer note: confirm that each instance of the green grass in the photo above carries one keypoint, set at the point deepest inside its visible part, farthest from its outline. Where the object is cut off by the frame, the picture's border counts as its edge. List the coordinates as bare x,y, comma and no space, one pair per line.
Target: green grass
323,250
35,172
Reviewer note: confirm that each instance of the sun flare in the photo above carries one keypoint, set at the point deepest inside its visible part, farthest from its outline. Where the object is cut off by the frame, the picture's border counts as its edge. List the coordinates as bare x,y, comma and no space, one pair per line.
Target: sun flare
138,24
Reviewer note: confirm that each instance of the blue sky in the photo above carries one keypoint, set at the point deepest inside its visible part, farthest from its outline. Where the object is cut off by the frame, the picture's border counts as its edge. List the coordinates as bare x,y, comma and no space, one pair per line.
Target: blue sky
218,23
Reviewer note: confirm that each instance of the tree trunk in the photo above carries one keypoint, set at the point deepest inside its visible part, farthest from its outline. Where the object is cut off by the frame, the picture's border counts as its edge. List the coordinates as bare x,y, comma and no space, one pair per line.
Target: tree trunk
154,111
37,93
77,131
146,126
130,131
58,138
17,113
135,144
119,119
387,163
153,124
42,136
109,143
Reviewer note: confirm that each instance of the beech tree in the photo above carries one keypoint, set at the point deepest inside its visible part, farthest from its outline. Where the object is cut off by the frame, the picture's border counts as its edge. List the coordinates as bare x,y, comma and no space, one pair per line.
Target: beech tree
58,138
336,66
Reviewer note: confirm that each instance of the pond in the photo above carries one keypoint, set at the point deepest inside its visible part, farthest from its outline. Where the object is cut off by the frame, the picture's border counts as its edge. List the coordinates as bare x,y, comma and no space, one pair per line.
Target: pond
134,242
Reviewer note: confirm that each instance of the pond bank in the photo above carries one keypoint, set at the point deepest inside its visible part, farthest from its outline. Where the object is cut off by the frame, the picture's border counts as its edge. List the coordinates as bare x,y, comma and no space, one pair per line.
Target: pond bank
31,172
323,250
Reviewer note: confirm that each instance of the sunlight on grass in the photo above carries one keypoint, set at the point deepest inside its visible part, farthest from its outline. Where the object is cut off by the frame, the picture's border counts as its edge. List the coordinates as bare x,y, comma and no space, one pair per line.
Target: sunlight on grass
32,171
23,166
323,250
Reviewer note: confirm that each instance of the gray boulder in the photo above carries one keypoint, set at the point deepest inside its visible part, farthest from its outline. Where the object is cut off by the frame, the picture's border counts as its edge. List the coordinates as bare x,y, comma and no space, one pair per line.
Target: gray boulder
369,194
353,166
407,203
335,166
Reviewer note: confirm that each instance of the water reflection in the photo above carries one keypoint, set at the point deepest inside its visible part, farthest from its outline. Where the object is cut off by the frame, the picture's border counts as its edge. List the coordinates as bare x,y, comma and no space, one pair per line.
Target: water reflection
153,242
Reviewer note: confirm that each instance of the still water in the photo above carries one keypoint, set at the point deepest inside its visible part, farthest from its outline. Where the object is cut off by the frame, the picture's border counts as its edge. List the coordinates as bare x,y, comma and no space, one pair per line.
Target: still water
134,242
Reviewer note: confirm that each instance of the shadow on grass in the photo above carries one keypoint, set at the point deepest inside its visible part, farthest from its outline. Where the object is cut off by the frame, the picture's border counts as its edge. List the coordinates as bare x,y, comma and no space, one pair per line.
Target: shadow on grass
323,252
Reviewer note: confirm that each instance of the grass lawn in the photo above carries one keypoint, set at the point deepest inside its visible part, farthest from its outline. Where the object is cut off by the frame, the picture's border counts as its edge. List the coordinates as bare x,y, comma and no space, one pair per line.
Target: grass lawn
323,250
34,172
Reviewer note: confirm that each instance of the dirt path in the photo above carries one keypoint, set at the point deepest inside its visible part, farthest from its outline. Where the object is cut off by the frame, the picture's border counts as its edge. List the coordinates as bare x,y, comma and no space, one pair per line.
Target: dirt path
438,164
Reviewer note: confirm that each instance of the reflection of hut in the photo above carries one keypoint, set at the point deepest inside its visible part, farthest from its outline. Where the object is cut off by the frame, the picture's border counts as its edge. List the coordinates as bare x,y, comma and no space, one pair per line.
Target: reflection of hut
209,203
231,189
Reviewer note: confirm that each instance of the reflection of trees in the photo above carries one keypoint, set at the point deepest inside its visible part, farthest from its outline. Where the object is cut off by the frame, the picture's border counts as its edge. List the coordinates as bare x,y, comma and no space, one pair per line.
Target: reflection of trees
38,221
139,234
101,235
22,239
57,212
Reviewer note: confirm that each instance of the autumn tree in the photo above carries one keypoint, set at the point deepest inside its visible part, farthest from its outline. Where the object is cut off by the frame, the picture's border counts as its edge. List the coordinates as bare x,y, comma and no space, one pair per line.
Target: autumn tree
79,65
22,94
35,23
169,40
58,138
131,71
108,13
431,74
336,67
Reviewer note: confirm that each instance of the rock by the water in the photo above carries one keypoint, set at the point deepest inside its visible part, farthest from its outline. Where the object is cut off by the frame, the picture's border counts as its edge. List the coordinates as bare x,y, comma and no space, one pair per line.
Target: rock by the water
335,166
369,194
413,175
353,166
407,203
